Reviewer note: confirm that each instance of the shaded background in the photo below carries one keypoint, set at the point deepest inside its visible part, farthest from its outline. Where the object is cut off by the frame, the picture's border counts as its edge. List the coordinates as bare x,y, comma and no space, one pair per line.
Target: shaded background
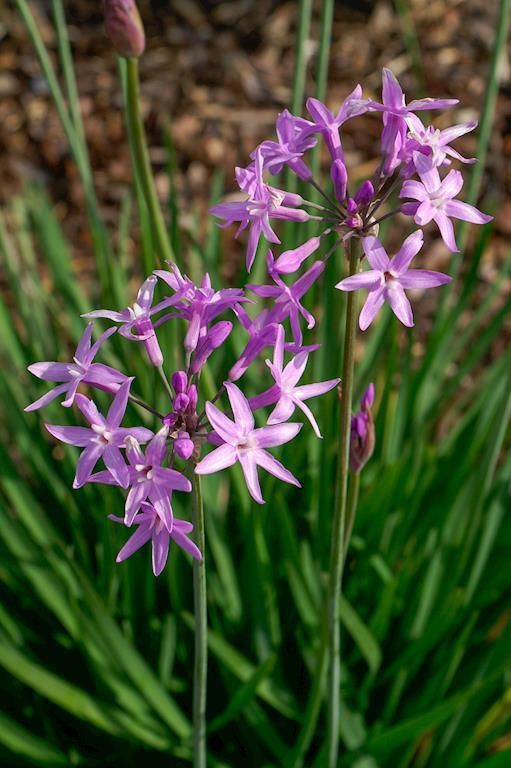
216,75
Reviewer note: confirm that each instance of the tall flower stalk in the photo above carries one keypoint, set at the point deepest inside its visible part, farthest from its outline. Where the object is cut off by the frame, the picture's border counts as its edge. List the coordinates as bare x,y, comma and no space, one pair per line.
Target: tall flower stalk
339,521
200,669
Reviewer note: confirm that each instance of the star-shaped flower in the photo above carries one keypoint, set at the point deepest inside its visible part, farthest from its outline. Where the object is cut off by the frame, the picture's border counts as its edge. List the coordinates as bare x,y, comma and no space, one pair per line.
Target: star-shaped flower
103,439
82,369
436,200
152,528
243,443
285,392
388,278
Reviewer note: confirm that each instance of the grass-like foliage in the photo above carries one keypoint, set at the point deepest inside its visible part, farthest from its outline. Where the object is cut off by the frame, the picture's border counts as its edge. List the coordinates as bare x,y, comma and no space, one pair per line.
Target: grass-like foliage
96,658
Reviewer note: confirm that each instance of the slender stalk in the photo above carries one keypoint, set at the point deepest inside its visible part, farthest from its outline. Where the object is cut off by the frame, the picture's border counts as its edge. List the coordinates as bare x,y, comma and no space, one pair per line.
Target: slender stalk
166,384
332,597
353,490
200,670
142,163
339,524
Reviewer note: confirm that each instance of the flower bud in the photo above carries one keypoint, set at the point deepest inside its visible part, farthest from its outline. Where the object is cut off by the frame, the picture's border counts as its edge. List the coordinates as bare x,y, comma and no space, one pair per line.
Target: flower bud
340,179
124,27
179,382
181,402
362,436
183,445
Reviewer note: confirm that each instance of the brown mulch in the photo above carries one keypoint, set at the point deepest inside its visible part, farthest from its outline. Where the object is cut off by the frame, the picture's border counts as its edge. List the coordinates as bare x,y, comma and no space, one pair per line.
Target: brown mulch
217,74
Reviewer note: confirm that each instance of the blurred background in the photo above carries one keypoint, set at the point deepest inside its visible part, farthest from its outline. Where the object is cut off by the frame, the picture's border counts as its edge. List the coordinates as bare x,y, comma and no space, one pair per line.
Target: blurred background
96,659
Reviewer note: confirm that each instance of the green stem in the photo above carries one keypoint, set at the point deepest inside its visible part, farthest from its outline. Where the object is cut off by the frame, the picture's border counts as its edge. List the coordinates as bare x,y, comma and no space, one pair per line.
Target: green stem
200,671
353,490
142,163
339,524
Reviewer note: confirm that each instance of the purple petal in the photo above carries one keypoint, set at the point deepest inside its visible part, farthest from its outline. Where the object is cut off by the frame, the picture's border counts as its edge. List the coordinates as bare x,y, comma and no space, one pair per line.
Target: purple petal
92,352
47,398
227,429
119,317
79,436
309,415
449,134
376,253
278,352
160,550
413,189
314,390
392,93
249,467
171,478
89,410
146,293
162,506
86,463
451,185
240,407
157,448
84,343
466,212
446,230
221,458
290,261
423,278
184,542
115,464
429,103
369,280
282,411
410,248
139,433
274,467
136,495
51,371
424,213
135,541
276,434
427,171
372,306
399,303
118,407
294,370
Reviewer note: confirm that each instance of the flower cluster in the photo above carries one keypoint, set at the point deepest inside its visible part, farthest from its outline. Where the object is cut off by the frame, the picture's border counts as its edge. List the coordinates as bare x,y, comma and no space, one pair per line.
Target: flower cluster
273,316
151,465
412,157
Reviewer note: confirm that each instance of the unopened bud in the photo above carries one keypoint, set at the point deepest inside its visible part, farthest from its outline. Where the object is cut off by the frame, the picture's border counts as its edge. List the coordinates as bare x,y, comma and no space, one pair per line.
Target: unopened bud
124,27
362,436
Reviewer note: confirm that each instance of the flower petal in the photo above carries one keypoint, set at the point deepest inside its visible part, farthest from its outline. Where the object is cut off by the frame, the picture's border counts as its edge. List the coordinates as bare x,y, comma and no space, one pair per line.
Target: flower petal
423,278
79,436
466,212
118,407
86,463
160,550
221,458
376,253
135,541
410,248
275,434
399,303
51,371
47,398
446,230
368,280
227,429
249,467
115,464
372,306
274,467
240,407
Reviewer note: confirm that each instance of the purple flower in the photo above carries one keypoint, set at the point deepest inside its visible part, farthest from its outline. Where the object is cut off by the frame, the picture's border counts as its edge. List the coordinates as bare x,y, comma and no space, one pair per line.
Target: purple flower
292,141
214,338
328,124
434,142
104,438
136,320
82,369
395,111
362,435
436,200
262,333
198,305
148,479
124,27
285,392
264,202
287,297
151,527
290,261
387,279
243,443
355,205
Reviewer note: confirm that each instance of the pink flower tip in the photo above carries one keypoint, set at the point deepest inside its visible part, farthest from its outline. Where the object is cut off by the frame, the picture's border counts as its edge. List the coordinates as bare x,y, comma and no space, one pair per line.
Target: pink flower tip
124,27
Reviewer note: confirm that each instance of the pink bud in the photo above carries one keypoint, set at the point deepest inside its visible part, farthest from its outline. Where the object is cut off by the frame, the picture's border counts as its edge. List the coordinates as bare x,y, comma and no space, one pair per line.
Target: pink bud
123,27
